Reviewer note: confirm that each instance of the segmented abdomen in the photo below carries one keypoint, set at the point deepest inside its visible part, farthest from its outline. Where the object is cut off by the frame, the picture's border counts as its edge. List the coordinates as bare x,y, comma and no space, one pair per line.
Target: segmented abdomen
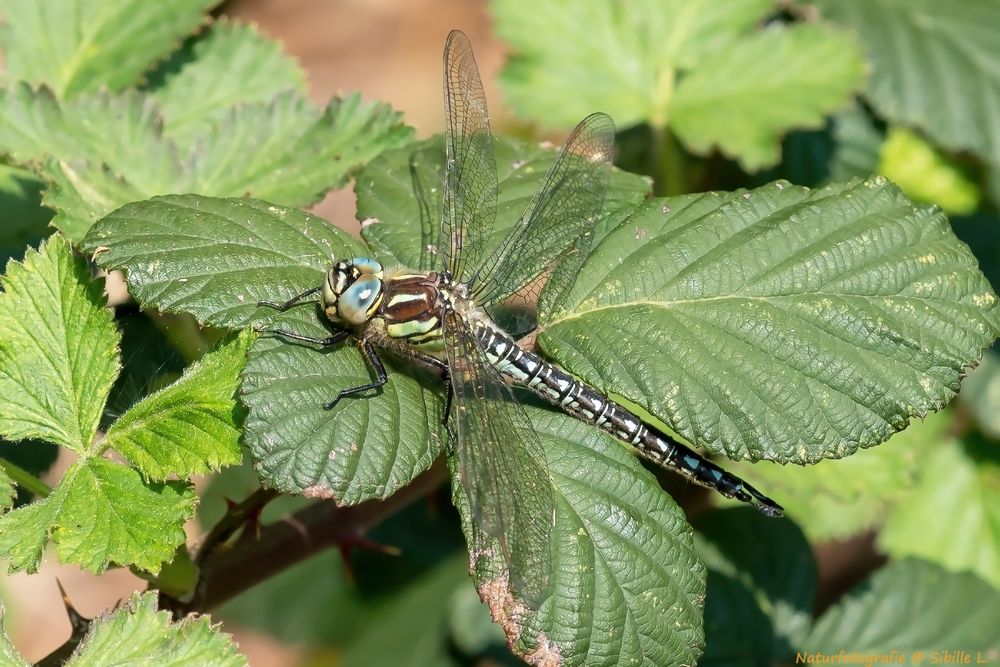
588,404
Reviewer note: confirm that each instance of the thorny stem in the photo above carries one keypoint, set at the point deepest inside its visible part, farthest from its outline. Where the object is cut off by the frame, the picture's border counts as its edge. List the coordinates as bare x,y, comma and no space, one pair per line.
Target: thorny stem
226,573
25,479
234,519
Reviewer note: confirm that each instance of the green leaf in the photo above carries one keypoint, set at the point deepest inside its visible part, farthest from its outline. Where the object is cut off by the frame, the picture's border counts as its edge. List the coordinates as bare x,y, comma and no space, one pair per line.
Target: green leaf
100,513
620,59
836,499
696,66
627,585
933,66
103,151
216,258
58,348
780,323
911,606
191,426
743,98
232,64
399,196
138,634
926,174
761,587
415,618
366,447
981,395
9,657
78,46
289,152
952,516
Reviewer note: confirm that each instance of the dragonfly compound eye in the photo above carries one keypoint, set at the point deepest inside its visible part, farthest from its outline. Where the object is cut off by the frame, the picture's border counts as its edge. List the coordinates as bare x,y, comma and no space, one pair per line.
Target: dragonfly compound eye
359,302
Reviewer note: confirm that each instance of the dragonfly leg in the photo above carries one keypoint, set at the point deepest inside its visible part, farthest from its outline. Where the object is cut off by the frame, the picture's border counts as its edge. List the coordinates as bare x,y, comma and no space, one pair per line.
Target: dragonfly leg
291,335
377,366
291,302
445,372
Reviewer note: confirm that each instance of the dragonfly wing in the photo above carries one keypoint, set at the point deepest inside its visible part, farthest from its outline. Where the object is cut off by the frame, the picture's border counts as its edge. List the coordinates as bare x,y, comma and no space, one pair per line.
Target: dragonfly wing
469,203
503,469
558,219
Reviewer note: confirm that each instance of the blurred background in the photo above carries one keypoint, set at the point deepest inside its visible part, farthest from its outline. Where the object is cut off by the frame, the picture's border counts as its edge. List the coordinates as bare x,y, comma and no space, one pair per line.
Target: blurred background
373,605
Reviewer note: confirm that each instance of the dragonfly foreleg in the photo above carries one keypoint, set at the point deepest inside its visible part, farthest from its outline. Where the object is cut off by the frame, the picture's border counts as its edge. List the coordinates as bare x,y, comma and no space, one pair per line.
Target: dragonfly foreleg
291,335
291,302
380,375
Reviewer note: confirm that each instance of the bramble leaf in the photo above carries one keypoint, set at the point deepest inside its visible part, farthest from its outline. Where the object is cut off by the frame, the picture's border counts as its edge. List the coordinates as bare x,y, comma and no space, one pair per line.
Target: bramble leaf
58,348
102,151
190,427
694,66
952,515
82,46
909,606
626,583
780,323
100,512
138,634
744,98
933,66
366,447
399,196
216,258
231,64
288,151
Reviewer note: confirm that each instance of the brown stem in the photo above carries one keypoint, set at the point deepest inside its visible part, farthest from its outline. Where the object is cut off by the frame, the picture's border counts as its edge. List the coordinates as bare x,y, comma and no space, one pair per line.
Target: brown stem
234,519
253,559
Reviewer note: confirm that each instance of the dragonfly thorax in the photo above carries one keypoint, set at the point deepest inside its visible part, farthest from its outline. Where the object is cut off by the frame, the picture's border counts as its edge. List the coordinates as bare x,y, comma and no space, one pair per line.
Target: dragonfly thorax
353,291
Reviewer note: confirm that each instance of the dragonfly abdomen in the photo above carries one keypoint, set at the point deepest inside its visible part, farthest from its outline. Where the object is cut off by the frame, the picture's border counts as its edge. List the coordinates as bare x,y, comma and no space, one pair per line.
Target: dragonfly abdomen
586,403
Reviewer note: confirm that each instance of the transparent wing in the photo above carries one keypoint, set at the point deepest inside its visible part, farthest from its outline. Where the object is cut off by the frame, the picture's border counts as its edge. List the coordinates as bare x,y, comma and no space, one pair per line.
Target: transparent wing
502,463
558,218
469,204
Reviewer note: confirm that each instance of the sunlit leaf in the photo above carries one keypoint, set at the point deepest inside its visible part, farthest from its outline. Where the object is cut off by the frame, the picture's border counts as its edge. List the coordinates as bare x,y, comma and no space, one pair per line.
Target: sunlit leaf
80,46
780,323
952,516
138,634
230,65
189,427
926,174
695,66
100,512
58,348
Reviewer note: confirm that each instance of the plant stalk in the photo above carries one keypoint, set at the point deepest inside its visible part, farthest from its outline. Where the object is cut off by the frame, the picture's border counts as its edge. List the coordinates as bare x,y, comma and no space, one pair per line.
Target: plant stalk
254,558
25,479
668,163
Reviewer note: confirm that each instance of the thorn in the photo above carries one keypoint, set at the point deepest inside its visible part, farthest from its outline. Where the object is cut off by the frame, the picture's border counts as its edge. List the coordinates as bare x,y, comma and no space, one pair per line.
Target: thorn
77,621
347,544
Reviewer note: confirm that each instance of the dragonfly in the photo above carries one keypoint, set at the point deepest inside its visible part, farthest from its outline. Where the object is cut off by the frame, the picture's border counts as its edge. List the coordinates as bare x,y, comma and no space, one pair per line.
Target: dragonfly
450,320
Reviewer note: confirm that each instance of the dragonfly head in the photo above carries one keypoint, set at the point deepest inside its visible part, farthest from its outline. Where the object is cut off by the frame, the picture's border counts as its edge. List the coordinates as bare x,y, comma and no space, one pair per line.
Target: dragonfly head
353,291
